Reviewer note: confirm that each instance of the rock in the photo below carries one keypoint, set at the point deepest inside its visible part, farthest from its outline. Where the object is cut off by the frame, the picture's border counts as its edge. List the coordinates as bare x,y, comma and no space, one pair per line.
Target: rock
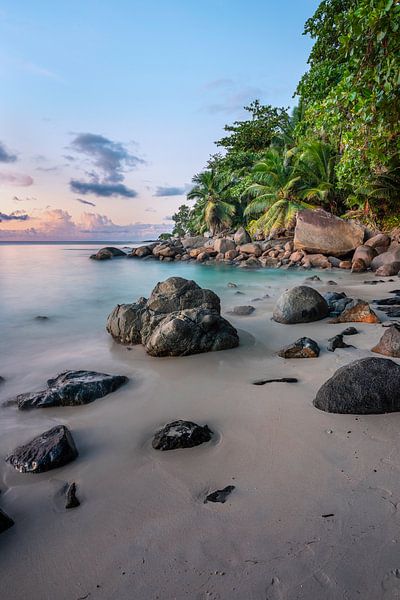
72,388
358,266
357,311
388,301
364,253
349,331
41,318
333,299
181,434
335,262
196,241
388,270
107,253
2,380
125,322
345,264
389,344
239,293
71,499
176,293
142,251
318,231
250,249
5,522
250,263
337,342
243,310
241,237
223,245
270,263
302,348
313,278
190,331
318,261
367,386
391,256
50,450
231,285
203,256
393,311
282,380
380,242
331,282
231,254
300,304
296,256
220,495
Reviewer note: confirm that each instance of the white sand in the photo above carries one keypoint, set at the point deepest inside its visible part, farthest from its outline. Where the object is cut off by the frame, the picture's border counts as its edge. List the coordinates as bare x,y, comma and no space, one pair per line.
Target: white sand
143,532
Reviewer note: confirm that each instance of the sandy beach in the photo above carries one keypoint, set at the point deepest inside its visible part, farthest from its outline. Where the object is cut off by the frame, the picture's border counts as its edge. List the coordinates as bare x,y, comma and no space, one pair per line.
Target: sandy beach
143,531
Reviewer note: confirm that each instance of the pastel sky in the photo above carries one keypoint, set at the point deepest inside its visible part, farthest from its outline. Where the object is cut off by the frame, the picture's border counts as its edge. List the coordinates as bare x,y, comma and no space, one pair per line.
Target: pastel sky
108,108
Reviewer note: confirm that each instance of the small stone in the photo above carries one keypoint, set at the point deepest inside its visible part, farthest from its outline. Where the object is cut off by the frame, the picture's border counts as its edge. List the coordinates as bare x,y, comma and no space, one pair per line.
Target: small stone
349,331
41,318
232,285
331,282
337,342
303,348
243,311
71,499
181,434
220,495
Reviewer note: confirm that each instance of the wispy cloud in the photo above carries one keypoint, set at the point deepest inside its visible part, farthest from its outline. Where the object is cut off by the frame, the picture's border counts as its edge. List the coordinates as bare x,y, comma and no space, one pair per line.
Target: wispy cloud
85,202
5,155
17,179
228,97
165,191
105,190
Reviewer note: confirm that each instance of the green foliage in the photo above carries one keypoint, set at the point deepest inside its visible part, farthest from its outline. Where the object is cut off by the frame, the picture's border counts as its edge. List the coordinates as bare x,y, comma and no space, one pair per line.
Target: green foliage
165,236
212,210
182,220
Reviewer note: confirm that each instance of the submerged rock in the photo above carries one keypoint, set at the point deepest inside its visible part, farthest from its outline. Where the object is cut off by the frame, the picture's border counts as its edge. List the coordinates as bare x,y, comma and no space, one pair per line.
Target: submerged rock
220,495
300,304
366,386
53,448
357,311
389,344
5,521
107,253
181,434
303,348
72,388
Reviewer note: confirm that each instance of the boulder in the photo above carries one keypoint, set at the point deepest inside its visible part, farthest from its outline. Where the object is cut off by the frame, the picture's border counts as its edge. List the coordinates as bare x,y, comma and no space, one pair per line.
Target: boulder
5,522
107,253
367,386
181,434
177,293
254,249
243,310
202,257
190,331
392,255
231,254
318,231
318,261
388,270
52,449
142,251
389,344
296,256
335,262
345,264
358,266
125,322
250,263
301,304
302,348
72,388
365,253
196,241
357,311
270,263
379,242
224,245
241,237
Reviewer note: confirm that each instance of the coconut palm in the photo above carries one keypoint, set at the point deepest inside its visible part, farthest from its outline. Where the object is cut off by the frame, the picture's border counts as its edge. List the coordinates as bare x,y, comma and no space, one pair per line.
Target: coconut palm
212,210
315,164
274,195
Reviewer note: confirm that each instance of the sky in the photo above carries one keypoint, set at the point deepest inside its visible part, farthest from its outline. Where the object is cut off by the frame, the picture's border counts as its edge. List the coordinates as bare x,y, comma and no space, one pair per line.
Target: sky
108,109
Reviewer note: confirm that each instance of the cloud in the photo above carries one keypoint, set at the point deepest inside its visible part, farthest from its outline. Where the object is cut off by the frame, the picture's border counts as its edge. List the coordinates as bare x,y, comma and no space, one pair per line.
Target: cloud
57,224
85,202
101,189
17,179
17,215
150,210
26,199
5,156
216,84
229,97
164,191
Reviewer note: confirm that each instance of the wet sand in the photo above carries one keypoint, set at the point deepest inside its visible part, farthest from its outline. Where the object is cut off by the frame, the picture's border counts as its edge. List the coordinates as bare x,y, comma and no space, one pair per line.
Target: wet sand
143,531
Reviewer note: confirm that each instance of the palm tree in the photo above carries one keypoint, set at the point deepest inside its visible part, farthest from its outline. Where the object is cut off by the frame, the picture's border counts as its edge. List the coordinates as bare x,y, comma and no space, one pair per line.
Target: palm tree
315,164
212,210
275,196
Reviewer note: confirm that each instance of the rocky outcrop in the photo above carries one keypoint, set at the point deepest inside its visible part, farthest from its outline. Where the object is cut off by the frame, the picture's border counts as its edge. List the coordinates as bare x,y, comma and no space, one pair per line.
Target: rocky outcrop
320,232
181,434
54,448
300,304
366,386
389,344
303,348
178,319
107,253
72,388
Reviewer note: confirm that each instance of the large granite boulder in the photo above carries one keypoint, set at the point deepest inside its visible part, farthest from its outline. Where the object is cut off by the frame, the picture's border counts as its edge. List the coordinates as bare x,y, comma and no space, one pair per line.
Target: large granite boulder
72,388
196,241
5,522
364,253
366,386
181,434
54,448
241,237
222,245
301,304
319,232
379,242
179,318
357,311
389,344
107,253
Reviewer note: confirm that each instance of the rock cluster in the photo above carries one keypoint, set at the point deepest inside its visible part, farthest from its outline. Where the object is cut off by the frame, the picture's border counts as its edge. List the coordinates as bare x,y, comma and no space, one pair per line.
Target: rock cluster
179,318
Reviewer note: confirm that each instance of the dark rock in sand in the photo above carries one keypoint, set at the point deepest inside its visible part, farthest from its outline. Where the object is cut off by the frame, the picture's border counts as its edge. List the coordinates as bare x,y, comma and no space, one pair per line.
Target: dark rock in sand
5,521
388,301
313,278
71,499
41,318
337,342
331,282
373,282
231,285
388,270
303,348
300,304
389,344
243,310
357,311
397,292
72,388
238,293
2,380
391,311
349,331
366,386
220,495
282,380
181,434
53,448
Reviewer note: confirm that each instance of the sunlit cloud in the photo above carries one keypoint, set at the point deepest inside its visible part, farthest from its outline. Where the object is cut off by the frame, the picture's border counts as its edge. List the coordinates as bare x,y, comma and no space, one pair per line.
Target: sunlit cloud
15,179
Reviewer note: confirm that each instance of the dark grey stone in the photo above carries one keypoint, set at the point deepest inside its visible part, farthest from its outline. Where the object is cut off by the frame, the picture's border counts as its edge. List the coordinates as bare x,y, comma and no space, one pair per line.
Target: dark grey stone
181,434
